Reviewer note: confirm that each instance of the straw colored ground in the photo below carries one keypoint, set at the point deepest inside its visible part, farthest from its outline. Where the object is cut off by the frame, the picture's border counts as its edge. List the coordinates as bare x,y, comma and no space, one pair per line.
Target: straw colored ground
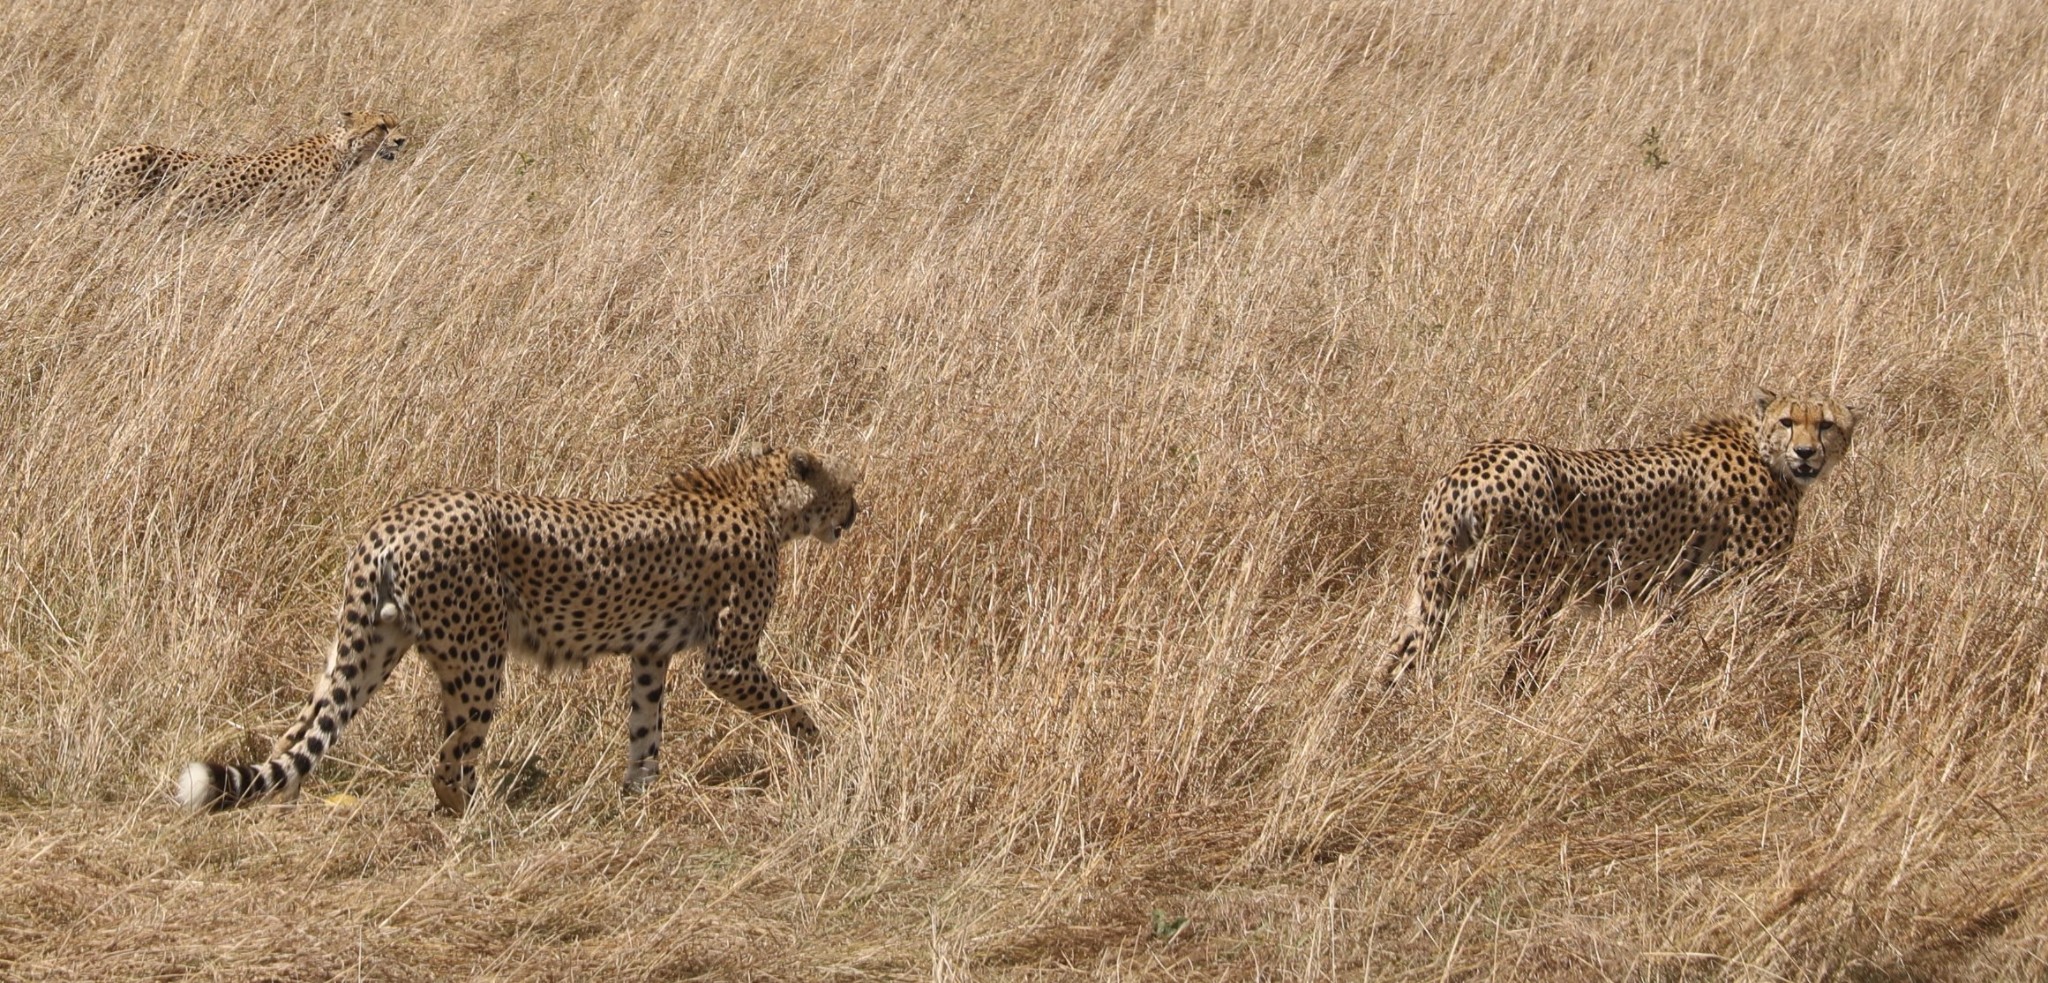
1150,324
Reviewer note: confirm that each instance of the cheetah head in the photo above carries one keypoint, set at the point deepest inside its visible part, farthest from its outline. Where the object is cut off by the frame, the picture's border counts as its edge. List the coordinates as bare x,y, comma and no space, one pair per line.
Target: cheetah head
818,499
1800,438
366,132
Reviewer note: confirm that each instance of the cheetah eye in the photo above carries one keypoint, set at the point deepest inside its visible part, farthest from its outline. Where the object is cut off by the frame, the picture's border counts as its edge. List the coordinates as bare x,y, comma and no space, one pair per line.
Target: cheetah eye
1787,422
1824,425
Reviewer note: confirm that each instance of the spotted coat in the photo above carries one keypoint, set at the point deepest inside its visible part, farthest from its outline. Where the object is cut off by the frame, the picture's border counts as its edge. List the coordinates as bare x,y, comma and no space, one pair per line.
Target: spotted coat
209,183
469,577
1669,518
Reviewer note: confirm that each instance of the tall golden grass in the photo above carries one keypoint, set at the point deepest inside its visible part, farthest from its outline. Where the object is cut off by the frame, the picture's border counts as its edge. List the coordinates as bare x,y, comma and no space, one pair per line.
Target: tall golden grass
1150,323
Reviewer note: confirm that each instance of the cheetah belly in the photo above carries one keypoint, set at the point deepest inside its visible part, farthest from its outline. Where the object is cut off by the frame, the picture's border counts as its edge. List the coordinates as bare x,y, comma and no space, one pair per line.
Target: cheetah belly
523,643
557,637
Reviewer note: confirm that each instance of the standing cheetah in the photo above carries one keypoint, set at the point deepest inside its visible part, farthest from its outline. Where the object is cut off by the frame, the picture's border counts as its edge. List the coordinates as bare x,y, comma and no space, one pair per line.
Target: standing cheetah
470,576
1721,497
208,183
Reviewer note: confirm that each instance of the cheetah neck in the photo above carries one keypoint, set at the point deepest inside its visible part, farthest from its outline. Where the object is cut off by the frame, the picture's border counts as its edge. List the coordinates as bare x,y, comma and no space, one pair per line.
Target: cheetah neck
757,481
1741,431
316,147
336,145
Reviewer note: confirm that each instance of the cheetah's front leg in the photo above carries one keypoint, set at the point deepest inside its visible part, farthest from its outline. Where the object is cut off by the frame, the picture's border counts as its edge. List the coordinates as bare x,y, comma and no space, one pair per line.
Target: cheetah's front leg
643,724
732,670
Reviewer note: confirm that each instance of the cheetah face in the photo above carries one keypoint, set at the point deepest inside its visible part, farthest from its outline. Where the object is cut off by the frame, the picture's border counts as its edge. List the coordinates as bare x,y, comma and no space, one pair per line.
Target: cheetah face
1801,438
831,531
372,132
830,507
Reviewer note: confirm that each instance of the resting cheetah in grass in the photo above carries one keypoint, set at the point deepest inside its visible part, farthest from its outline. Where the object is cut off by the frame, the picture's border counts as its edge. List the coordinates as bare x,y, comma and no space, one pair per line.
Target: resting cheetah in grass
470,576
1721,497
209,183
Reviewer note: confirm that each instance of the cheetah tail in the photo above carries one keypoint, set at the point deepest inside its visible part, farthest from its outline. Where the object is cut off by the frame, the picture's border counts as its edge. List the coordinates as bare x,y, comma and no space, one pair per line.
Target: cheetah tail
365,653
214,787
72,201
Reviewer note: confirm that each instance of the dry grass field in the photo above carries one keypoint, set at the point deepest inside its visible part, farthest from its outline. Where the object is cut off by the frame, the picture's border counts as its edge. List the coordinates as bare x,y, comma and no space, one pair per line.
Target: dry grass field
1150,324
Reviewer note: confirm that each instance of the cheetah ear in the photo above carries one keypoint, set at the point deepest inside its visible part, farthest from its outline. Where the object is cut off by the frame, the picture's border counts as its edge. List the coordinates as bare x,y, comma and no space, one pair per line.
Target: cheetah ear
1764,399
1846,415
804,465
348,117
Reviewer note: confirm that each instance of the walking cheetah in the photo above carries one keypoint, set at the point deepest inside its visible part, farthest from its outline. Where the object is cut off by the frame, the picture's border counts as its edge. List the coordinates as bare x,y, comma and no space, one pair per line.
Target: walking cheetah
209,183
469,576
1721,497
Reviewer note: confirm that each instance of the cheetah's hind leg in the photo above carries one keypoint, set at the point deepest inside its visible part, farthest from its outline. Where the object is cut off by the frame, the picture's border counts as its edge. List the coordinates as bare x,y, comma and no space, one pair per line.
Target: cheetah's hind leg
1442,575
1532,611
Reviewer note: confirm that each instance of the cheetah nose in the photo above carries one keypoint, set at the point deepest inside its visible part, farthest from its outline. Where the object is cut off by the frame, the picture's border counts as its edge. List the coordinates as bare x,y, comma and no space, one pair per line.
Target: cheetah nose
1804,452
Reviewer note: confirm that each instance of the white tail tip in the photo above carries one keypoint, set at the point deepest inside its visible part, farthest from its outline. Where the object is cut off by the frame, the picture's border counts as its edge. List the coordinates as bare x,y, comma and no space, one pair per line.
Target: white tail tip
195,786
